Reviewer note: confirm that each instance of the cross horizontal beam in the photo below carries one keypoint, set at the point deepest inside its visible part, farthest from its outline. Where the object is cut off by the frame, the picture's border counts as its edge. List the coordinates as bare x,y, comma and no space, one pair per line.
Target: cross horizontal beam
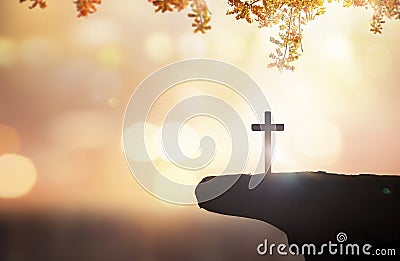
265,127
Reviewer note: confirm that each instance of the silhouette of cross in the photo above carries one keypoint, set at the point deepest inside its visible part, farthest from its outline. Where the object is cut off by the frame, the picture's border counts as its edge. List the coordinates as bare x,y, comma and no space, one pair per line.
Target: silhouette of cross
267,127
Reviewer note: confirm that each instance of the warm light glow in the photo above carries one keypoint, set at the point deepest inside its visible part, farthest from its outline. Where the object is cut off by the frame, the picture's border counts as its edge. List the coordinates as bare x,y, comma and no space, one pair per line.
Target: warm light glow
177,175
381,58
109,57
95,32
189,141
113,102
192,45
209,127
62,76
81,129
159,46
229,48
105,84
7,52
150,133
283,160
9,139
337,47
318,139
39,51
17,176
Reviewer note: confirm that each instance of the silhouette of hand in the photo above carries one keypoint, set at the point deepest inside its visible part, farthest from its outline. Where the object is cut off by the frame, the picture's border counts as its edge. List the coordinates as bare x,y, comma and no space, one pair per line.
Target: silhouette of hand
315,207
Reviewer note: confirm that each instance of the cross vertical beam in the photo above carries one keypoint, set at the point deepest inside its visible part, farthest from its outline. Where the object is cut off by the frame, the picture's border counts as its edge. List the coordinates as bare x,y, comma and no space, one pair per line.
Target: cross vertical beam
268,127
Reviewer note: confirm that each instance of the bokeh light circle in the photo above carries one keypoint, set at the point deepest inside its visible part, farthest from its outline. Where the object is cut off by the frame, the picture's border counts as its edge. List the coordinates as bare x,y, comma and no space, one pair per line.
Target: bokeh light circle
17,175
318,139
7,52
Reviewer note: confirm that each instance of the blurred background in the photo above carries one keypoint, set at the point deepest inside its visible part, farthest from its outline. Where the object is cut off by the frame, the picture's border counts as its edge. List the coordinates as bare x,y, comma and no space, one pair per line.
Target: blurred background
64,85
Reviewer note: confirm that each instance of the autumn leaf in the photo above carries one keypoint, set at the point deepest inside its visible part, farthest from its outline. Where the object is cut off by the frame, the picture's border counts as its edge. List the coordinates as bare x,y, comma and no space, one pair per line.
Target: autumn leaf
41,3
86,7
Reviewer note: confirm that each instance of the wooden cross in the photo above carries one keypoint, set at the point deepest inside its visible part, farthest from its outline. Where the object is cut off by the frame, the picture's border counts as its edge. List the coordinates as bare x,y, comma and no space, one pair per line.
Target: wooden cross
267,127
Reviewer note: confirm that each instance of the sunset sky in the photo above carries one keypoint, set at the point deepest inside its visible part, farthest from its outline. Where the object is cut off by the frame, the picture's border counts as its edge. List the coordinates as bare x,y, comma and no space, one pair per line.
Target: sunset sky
65,83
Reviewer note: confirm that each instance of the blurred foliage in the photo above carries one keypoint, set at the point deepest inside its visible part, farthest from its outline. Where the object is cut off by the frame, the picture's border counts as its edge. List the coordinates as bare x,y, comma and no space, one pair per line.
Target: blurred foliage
84,7
290,16
199,11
